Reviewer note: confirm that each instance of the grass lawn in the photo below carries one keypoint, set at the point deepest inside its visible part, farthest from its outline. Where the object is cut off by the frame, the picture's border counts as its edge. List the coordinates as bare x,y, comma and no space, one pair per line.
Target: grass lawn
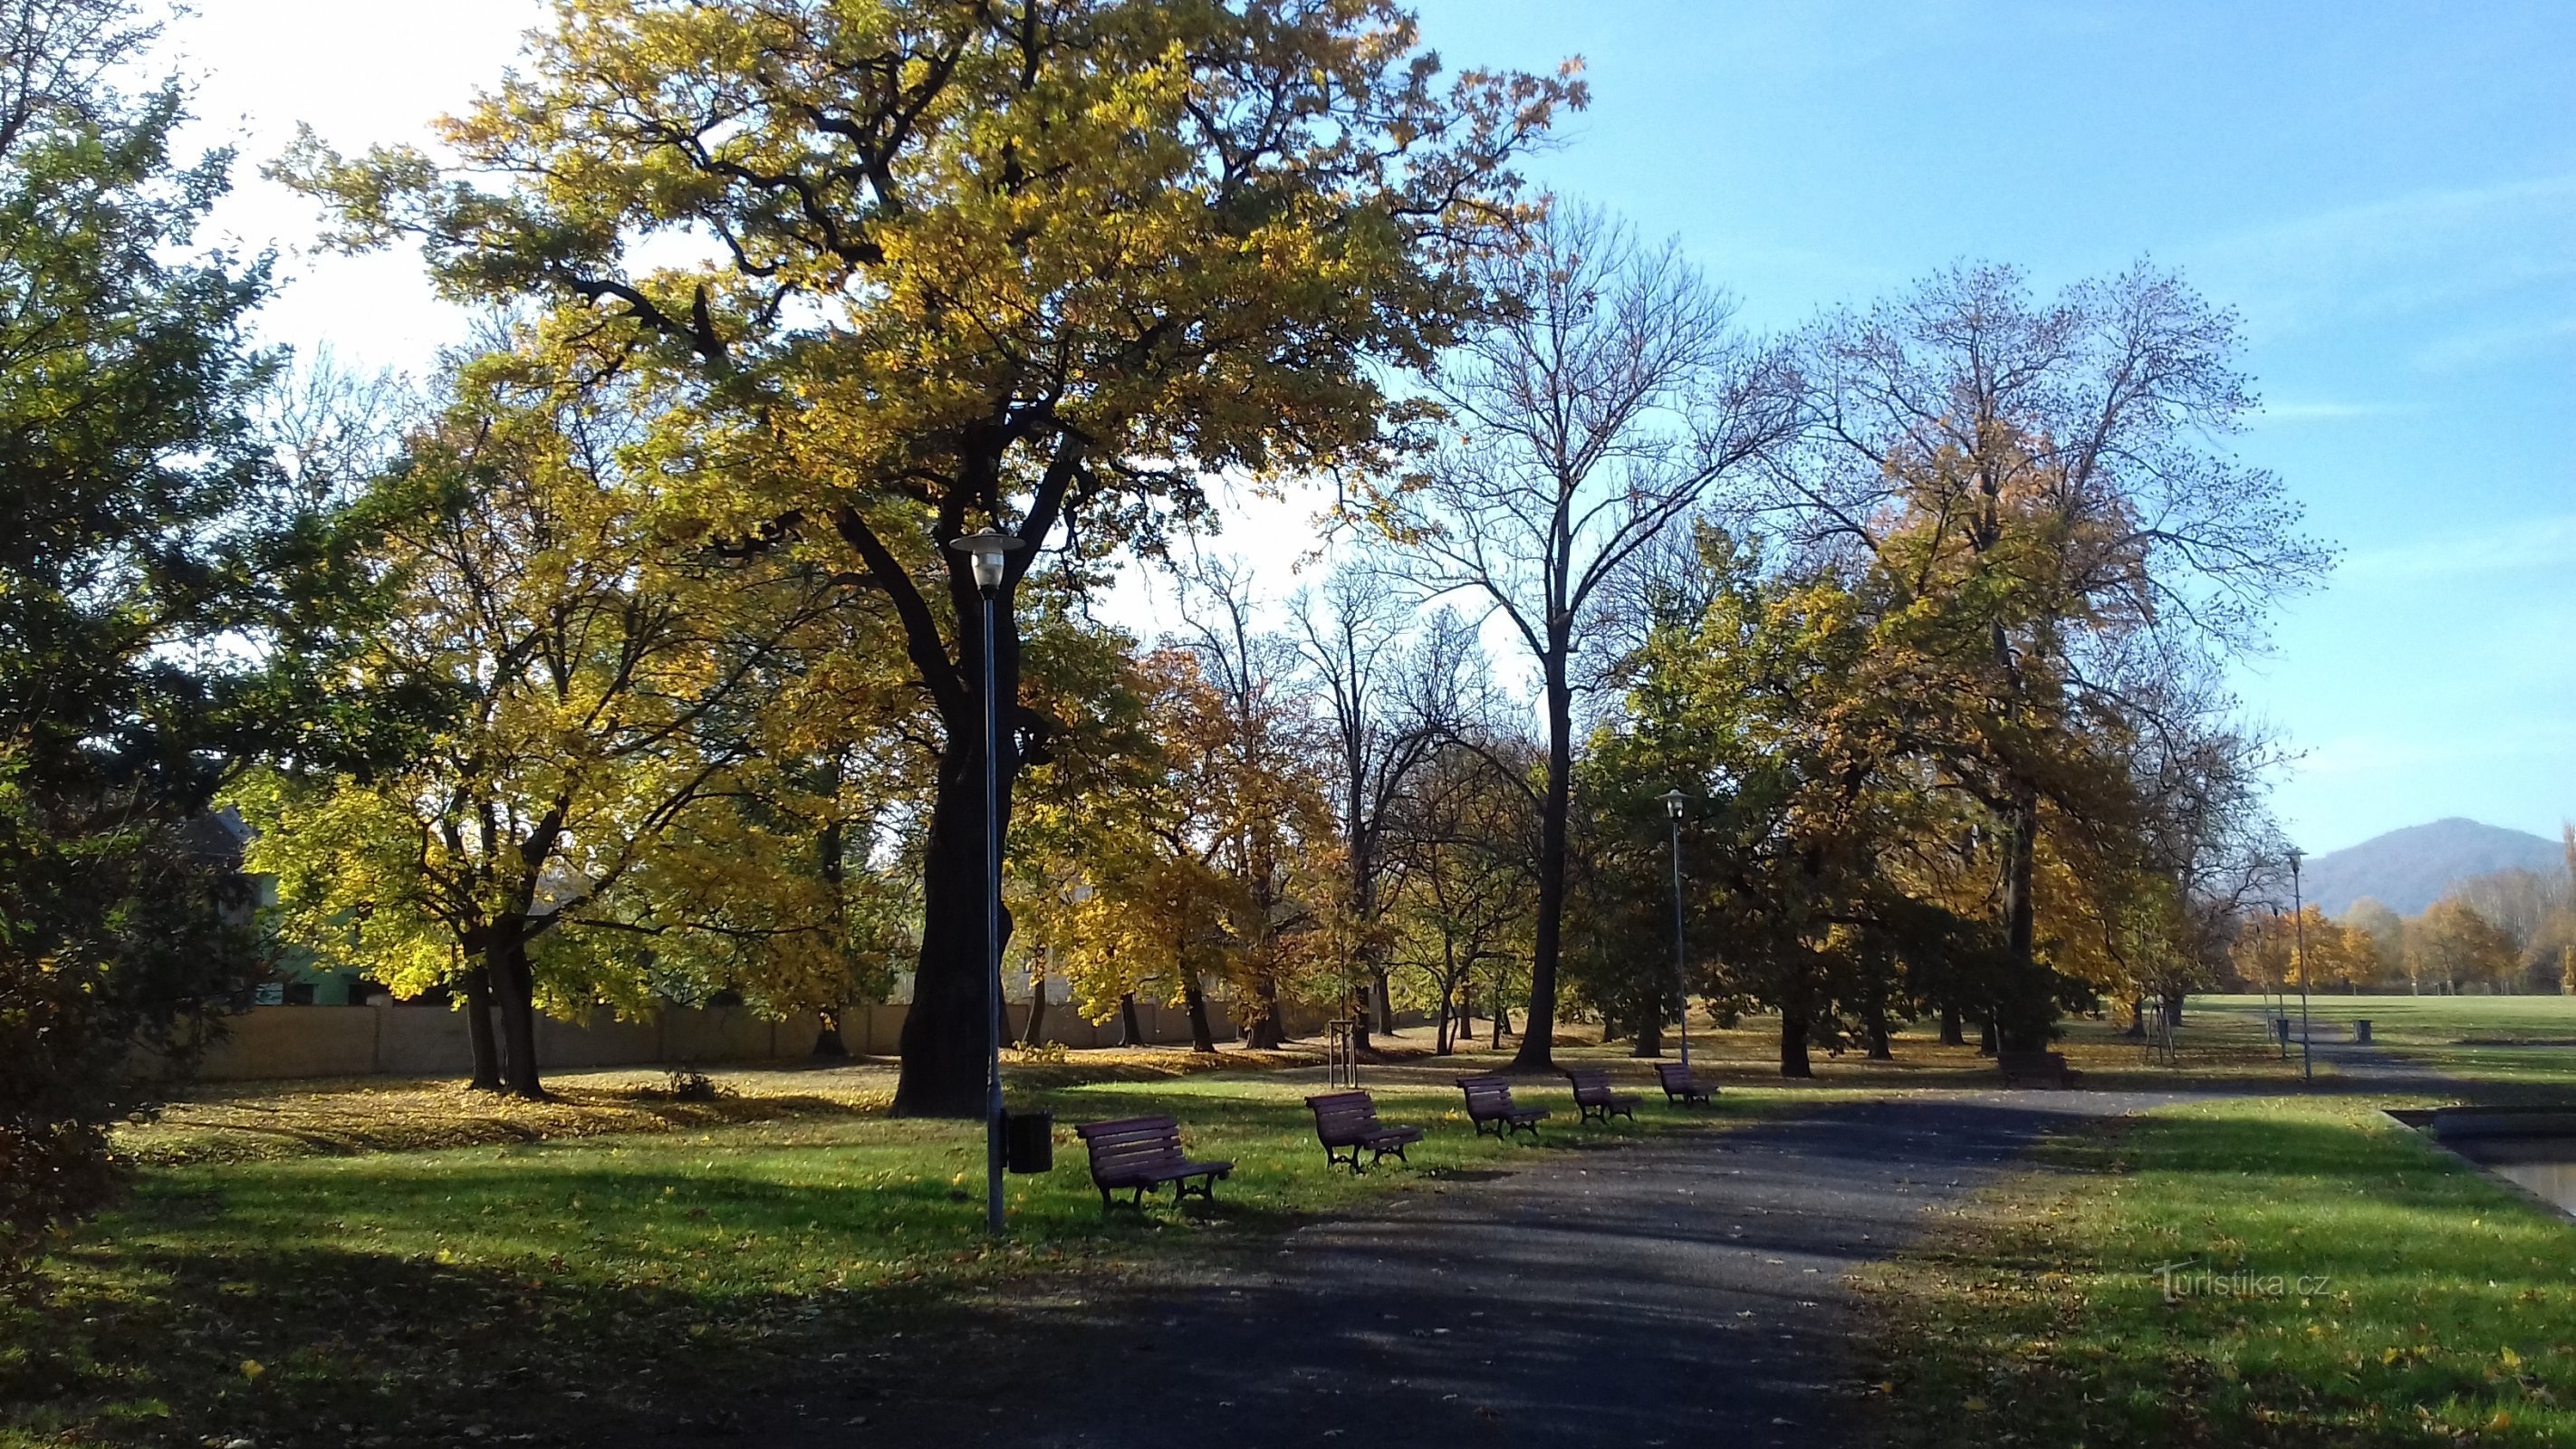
323,1296
2336,1281
2506,1041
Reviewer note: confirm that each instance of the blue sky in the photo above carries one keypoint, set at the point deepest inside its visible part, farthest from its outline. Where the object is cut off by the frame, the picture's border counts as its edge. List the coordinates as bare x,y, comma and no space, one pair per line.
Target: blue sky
2386,193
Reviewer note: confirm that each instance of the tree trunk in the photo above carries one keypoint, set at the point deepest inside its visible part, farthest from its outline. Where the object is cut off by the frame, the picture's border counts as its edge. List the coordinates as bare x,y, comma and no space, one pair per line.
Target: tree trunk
1036,1031
1131,1027
478,1029
1383,1003
1440,1027
1874,1028
1201,1038
1650,1031
944,1041
828,1042
1987,1042
514,983
1538,1038
1793,1047
1270,1029
1953,1032
2137,1018
2025,1009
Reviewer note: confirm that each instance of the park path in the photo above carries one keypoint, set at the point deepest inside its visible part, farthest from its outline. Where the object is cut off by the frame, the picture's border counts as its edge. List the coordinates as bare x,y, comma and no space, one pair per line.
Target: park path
1685,1289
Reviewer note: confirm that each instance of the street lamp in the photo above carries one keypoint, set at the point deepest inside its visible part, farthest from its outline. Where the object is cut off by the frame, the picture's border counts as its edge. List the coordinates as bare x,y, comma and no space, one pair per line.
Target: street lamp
2276,1003
2299,934
987,551
1674,802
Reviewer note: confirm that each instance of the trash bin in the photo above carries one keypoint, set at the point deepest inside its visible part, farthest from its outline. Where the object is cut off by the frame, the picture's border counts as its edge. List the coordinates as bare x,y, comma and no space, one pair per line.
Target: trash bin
2281,1025
1028,1141
2361,1030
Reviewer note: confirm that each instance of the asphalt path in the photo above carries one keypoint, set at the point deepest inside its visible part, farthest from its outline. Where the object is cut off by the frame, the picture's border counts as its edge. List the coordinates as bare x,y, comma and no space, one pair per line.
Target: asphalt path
1683,1289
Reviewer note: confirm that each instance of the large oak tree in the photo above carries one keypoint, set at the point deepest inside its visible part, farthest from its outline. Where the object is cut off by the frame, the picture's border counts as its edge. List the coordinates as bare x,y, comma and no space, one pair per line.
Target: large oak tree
1042,266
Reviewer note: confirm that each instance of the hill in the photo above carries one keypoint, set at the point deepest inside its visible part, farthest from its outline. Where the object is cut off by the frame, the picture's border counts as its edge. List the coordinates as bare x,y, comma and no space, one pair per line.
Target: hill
2409,869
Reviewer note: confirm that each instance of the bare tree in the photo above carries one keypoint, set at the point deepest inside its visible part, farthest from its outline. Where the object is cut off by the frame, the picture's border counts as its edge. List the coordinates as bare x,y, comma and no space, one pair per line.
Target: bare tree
1600,408
1390,705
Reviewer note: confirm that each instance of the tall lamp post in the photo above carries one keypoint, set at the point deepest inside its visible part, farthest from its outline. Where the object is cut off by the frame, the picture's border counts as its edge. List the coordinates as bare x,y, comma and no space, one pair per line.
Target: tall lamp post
987,551
2276,1003
1674,802
2299,934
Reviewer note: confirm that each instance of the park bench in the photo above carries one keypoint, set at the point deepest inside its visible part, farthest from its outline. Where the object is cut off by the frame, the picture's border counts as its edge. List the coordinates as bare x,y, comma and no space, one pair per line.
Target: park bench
1347,1121
1489,1107
1143,1153
1593,1097
1680,1087
2038,1066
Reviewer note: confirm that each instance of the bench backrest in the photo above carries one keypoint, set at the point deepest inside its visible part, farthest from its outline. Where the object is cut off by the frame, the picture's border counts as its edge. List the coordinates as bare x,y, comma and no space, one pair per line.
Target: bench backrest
1487,1097
1674,1074
1342,1116
1131,1145
1591,1084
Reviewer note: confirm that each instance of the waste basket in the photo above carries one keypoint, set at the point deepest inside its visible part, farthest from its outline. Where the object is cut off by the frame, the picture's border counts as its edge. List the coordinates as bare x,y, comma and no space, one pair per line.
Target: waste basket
2361,1030
1028,1141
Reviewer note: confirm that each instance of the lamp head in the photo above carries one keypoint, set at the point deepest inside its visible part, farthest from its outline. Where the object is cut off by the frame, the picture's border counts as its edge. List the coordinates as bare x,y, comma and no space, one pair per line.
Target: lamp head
1674,803
986,550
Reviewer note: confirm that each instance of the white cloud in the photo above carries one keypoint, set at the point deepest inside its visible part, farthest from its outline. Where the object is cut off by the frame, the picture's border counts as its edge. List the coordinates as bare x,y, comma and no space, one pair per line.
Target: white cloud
2400,255
2510,546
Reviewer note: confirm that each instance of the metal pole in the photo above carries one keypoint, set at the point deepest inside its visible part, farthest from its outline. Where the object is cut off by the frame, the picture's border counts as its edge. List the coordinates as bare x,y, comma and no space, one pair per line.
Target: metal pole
2299,932
992,935
1681,969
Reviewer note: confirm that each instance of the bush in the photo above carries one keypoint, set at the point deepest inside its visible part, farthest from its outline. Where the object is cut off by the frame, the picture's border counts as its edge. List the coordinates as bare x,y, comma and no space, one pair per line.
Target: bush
117,954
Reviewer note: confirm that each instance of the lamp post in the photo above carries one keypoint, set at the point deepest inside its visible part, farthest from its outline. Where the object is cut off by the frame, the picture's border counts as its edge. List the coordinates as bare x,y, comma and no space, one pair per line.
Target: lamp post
2299,934
1674,801
2276,1002
987,551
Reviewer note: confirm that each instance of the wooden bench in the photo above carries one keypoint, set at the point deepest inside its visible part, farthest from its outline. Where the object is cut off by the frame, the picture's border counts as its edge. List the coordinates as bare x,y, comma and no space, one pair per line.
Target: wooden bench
1593,1097
1680,1087
2042,1066
1347,1121
1489,1106
1144,1153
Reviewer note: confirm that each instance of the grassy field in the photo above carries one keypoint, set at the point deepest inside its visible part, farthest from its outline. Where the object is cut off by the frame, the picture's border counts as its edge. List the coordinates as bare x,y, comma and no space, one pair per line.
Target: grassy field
2282,1271
2333,1280
2527,1041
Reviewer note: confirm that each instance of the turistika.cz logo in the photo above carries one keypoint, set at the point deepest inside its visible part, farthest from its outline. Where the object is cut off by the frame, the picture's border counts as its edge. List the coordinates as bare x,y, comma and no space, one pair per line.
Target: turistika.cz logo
2190,1278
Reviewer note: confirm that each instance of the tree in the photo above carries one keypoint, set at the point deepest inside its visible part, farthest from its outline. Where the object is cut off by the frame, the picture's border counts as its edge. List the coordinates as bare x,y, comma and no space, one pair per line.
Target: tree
2045,478
169,597
1278,832
1161,911
1816,848
1594,414
2452,945
1389,708
2380,932
1042,266
1457,901
605,691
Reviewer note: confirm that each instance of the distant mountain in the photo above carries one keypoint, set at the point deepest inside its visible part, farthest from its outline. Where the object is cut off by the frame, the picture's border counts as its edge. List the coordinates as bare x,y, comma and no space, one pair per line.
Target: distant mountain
2407,870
